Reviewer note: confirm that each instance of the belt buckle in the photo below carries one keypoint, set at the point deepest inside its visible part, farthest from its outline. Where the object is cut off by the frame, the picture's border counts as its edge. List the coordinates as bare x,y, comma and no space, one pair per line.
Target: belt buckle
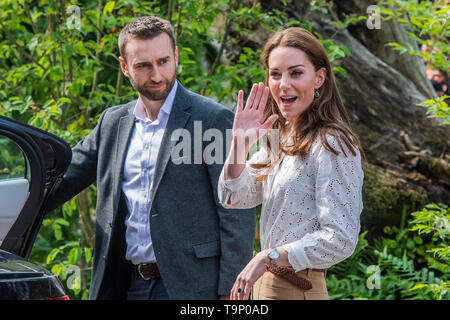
140,273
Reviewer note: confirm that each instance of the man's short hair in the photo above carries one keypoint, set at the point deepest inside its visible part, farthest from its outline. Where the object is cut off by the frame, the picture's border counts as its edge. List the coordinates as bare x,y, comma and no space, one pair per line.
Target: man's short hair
146,27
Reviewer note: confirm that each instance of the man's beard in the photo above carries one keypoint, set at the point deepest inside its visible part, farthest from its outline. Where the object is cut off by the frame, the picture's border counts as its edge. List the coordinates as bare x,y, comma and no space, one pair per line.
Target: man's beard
154,95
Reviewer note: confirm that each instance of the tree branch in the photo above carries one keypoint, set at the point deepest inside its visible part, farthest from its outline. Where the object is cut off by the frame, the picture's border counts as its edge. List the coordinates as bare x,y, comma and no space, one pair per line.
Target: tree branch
28,13
223,42
119,82
24,52
97,52
178,33
13,87
170,11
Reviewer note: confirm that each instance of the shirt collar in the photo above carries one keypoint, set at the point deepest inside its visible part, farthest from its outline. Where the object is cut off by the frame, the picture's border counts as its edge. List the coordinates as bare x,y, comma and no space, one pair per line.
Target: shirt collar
166,108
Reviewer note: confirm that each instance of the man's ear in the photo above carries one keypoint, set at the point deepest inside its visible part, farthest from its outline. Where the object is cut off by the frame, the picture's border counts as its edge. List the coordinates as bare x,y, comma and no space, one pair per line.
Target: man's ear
124,66
321,75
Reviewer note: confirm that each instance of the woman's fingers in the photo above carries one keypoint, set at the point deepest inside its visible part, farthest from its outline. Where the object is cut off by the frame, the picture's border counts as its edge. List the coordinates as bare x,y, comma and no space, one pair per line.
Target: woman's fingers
241,289
251,97
256,100
246,279
237,292
258,95
240,104
249,119
246,290
234,290
269,122
246,285
263,101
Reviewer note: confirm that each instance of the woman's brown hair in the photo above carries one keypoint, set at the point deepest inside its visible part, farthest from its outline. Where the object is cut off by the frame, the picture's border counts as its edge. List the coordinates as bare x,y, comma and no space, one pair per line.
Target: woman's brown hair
325,115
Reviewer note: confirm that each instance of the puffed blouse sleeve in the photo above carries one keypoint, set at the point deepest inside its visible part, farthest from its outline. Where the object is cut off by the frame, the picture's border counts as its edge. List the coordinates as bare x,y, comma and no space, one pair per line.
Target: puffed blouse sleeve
338,199
243,192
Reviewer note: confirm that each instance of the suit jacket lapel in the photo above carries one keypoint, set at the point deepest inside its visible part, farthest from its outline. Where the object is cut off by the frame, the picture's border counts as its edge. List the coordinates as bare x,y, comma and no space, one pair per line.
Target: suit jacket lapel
177,120
126,125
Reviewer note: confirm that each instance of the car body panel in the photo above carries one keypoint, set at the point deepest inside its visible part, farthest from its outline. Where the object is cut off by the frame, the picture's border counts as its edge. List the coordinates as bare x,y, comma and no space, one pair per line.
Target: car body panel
23,200
48,157
13,195
21,279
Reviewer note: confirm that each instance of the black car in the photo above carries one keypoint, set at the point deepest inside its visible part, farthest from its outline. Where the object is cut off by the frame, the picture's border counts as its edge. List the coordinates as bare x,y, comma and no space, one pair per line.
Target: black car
32,162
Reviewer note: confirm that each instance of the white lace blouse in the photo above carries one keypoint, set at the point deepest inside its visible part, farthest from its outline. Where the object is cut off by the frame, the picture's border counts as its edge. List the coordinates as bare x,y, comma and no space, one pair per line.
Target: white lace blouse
311,205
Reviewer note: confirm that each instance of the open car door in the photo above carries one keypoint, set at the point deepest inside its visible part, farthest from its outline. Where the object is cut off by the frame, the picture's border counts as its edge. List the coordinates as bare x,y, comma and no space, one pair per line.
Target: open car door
32,163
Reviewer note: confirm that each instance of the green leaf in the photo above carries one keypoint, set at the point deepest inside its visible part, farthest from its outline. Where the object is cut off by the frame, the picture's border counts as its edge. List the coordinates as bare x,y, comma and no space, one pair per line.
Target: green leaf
74,255
88,254
65,100
52,255
58,233
340,70
419,286
111,23
293,23
70,244
108,8
418,240
410,244
62,222
56,269
69,49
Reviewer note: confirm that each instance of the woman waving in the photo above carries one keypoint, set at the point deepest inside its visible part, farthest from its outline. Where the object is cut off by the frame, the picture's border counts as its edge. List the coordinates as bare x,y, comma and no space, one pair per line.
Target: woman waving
307,176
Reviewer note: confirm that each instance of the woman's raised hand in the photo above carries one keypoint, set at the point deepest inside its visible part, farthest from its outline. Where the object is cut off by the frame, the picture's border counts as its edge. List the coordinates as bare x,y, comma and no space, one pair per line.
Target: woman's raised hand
248,124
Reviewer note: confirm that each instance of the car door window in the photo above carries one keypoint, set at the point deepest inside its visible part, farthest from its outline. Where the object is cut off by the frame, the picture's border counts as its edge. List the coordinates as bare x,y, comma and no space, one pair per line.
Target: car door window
14,184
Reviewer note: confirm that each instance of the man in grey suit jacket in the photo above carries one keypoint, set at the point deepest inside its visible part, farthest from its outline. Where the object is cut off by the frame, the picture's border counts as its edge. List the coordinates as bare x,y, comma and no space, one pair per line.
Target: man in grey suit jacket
161,232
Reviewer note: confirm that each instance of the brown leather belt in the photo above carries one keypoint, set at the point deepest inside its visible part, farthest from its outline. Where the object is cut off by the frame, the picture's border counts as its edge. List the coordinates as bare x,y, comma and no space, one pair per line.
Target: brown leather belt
148,271
290,275
324,271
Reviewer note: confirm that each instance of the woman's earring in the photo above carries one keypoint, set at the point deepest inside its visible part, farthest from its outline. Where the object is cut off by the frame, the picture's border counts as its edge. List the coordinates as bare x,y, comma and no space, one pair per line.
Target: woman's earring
316,94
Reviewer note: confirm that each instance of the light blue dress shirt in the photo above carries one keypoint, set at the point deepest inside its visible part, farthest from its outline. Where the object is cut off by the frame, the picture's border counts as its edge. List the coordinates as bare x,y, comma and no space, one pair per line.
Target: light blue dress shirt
138,176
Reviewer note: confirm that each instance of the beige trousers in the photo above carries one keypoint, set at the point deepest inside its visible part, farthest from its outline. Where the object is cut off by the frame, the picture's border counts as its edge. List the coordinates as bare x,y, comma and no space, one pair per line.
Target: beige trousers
272,287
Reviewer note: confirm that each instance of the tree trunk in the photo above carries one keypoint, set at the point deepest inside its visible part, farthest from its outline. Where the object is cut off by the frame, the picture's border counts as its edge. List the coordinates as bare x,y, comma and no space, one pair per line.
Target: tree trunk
87,223
376,40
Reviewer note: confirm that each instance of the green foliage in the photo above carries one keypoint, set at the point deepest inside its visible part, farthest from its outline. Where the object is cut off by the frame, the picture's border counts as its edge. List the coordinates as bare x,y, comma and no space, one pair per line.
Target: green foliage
203,29
410,265
347,280
12,162
427,23
401,278
59,70
334,52
62,248
438,108
400,241
325,7
59,77
434,220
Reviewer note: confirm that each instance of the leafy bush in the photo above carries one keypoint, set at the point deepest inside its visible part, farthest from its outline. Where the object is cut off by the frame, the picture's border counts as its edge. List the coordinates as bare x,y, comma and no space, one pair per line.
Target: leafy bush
434,219
426,23
59,70
393,272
